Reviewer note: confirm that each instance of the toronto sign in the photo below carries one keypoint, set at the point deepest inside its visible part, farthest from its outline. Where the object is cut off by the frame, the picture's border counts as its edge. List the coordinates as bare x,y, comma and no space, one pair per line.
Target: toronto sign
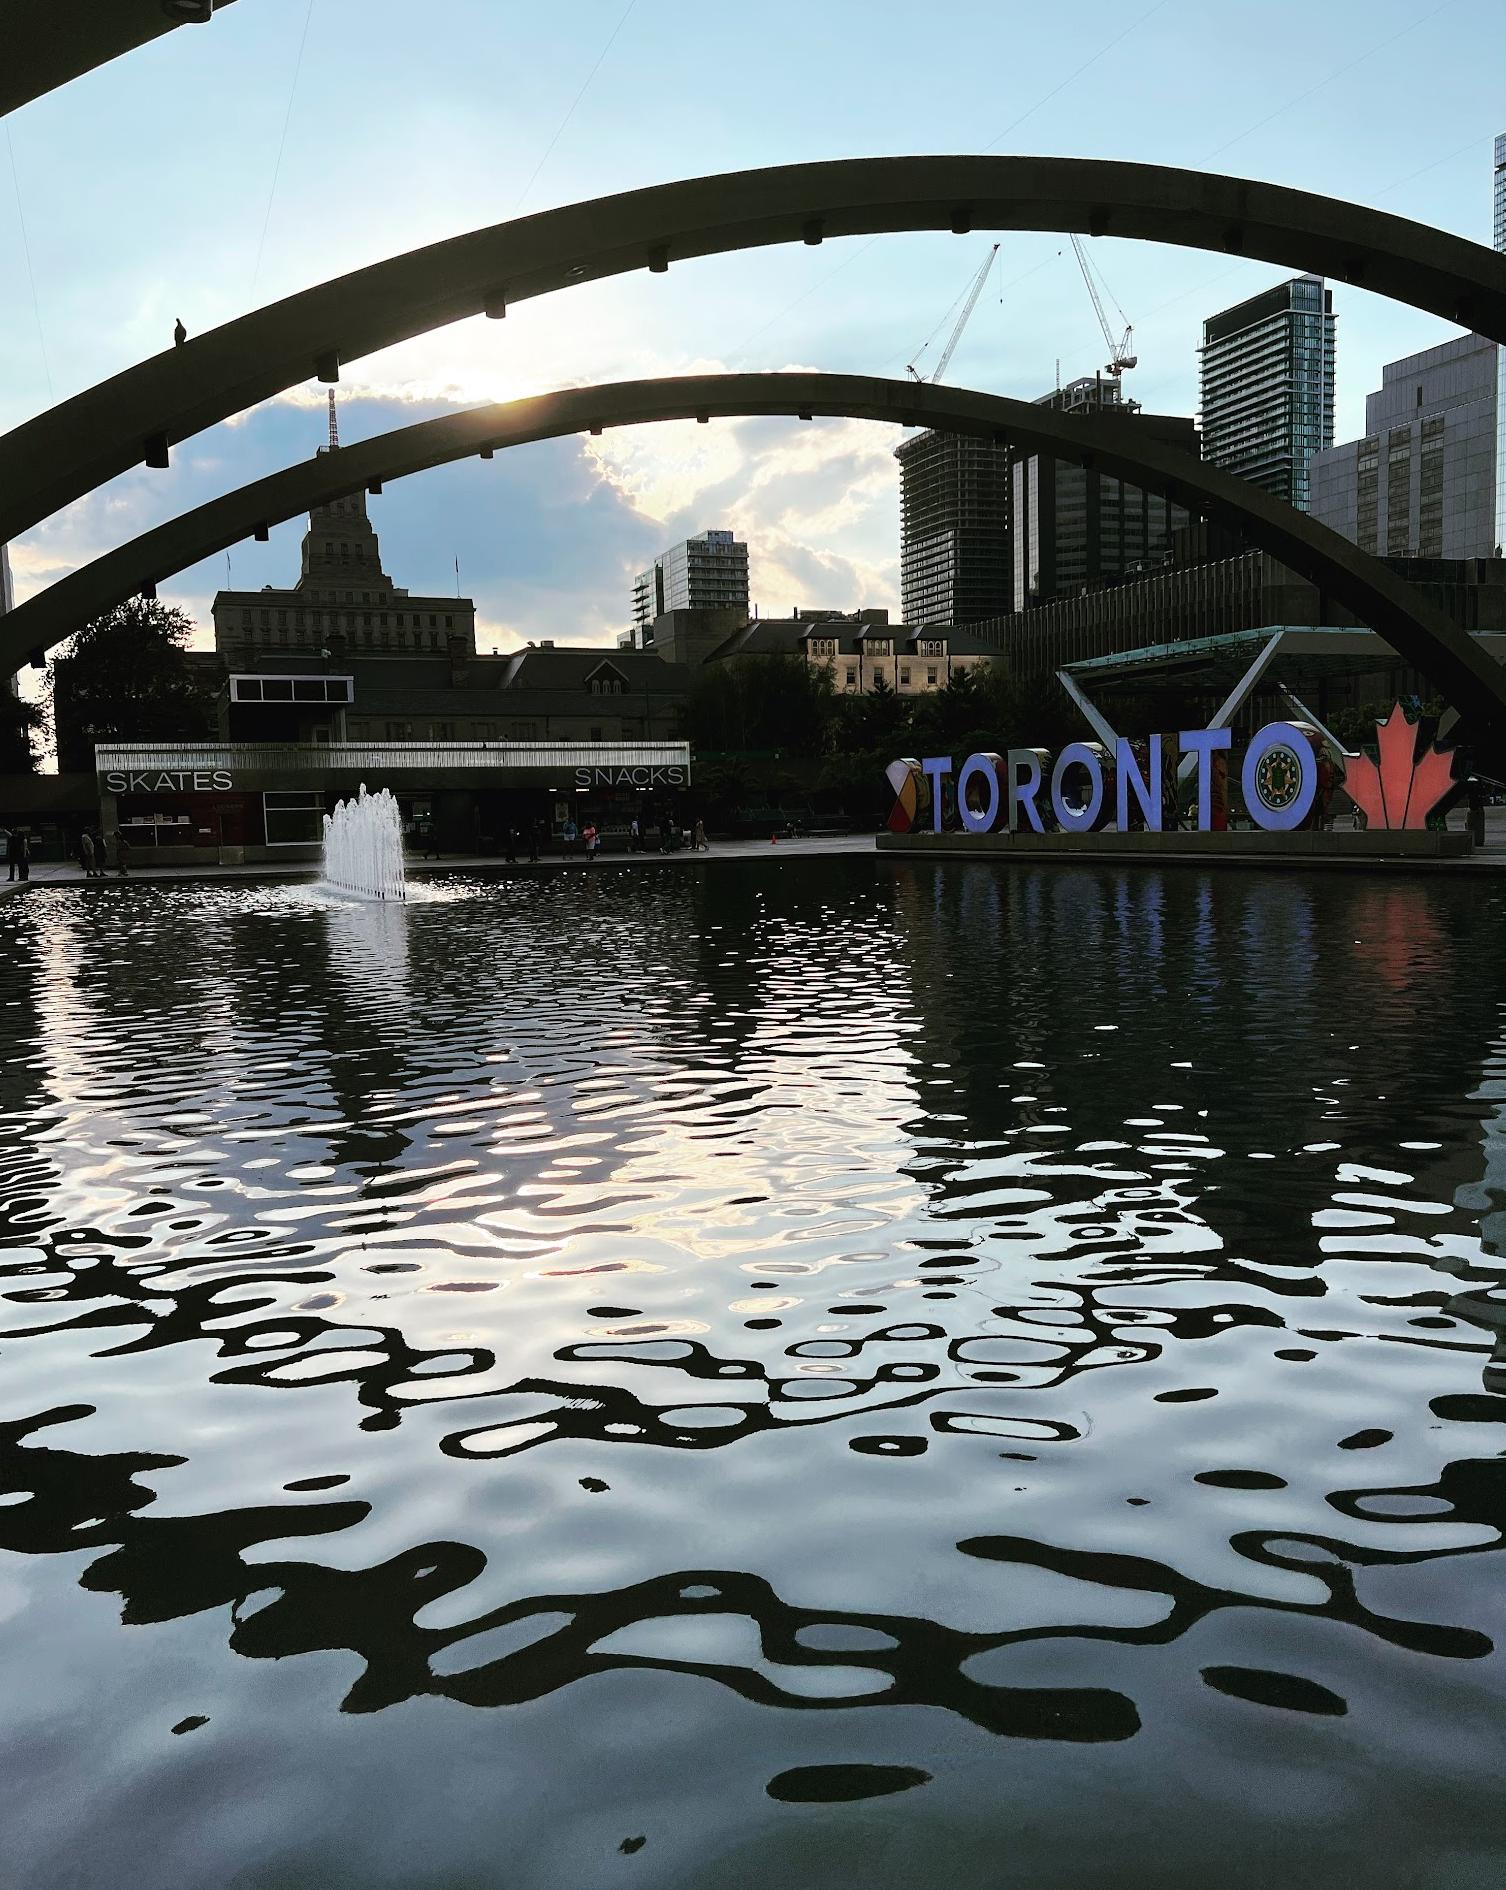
1091,788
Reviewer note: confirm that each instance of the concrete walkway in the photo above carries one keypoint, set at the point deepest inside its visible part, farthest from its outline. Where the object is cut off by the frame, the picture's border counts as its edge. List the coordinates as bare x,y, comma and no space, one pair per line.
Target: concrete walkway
72,874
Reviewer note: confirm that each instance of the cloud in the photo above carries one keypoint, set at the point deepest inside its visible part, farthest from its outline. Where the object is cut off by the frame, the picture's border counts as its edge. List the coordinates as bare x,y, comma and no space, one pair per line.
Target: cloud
548,536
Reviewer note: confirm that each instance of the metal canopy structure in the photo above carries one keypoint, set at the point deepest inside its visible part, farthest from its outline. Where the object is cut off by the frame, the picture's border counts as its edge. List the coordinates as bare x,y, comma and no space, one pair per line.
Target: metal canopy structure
1419,632
49,42
1306,656
49,461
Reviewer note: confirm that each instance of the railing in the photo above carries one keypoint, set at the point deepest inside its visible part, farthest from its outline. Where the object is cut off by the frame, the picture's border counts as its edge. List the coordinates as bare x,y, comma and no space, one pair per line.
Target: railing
350,758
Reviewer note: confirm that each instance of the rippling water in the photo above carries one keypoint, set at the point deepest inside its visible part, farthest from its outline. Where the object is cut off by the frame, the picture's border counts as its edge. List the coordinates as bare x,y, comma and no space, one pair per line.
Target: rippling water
825,1372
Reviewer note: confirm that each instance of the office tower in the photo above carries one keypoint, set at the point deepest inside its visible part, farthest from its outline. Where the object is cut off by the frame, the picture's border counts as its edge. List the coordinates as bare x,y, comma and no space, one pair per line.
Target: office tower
1422,482
1072,528
707,572
955,565
1267,386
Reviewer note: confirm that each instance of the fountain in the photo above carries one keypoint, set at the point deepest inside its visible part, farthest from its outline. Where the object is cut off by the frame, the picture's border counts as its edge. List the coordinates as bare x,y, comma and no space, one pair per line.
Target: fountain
363,847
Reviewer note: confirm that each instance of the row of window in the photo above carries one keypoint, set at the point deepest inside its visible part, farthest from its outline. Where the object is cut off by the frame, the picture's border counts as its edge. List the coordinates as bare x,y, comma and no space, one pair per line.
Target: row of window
318,619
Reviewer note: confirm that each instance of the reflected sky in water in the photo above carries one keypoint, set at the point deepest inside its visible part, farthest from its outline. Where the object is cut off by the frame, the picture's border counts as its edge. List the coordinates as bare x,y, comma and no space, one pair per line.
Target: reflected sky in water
831,1371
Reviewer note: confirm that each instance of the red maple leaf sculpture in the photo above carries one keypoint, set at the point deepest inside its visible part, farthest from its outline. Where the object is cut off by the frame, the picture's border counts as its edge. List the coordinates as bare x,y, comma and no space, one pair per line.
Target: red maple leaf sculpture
1406,787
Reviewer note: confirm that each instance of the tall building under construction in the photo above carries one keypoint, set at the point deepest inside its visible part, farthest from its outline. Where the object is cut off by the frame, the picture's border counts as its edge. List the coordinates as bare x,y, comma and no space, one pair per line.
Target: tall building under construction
956,565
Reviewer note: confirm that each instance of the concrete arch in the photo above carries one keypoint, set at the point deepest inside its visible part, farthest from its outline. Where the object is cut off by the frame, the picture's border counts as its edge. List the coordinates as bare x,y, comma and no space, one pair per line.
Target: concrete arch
1417,630
55,458
49,42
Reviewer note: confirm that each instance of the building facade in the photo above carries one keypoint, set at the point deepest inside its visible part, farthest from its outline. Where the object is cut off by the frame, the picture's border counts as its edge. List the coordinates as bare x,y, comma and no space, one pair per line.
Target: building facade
1072,527
1422,482
1267,377
955,562
342,595
1498,226
707,572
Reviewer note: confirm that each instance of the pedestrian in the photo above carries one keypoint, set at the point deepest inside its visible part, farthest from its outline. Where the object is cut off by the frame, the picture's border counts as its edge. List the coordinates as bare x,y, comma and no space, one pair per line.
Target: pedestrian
593,841
20,852
512,844
122,852
569,834
535,836
698,838
635,836
86,853
431,846
664,833
99,854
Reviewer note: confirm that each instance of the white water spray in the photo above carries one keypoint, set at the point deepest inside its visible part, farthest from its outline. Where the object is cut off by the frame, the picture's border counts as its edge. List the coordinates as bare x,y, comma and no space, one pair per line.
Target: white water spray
363,847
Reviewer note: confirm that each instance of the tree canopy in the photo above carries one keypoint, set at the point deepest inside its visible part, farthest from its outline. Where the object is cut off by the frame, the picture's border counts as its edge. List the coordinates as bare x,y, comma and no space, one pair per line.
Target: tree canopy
126,677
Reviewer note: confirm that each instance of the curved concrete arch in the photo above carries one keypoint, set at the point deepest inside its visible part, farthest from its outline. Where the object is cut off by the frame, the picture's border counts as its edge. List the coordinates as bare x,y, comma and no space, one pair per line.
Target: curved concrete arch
1417,630
55,458
49,42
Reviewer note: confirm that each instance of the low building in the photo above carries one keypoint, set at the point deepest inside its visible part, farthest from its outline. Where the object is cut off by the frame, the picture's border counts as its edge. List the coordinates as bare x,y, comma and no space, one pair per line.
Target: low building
236,801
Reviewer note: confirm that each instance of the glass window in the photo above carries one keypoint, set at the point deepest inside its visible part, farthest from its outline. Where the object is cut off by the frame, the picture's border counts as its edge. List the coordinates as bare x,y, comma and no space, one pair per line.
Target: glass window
277,689
293,820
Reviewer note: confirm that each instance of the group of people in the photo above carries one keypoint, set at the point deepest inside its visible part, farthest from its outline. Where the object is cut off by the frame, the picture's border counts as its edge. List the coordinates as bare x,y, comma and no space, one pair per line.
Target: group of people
91,851
671,836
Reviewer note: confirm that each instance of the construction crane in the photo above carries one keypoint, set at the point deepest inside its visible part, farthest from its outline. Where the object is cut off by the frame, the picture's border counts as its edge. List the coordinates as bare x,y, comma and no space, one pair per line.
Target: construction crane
1121,353
971,302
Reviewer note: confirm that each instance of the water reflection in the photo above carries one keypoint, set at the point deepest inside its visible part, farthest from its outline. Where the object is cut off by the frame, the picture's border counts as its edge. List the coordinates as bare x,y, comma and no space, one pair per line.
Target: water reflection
1042,1304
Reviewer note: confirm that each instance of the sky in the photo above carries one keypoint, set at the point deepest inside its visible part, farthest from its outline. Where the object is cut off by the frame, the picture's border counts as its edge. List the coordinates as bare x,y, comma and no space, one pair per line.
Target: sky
289,141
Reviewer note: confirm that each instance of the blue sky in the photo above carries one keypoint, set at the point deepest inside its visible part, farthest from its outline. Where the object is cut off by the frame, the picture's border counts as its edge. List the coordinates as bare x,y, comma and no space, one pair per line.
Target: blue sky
147,191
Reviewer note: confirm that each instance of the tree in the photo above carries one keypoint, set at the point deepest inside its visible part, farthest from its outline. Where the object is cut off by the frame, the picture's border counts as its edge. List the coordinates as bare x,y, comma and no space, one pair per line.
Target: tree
18,722
760,705
127,677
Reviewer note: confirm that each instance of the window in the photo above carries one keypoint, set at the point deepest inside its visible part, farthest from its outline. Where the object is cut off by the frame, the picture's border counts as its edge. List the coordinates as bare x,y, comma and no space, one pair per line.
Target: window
852,679
596,733
293,820
400,731
904,674
441,731
930,679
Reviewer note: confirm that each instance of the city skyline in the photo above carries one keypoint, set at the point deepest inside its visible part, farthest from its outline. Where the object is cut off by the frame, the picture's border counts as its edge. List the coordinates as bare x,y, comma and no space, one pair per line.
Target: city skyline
547,537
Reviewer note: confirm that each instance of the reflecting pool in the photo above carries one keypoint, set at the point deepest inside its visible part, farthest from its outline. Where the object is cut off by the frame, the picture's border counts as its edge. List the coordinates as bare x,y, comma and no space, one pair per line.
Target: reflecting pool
827,1372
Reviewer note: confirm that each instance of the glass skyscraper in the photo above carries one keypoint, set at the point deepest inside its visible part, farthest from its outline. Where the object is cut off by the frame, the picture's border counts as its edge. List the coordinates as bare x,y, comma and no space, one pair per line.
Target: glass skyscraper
1267,386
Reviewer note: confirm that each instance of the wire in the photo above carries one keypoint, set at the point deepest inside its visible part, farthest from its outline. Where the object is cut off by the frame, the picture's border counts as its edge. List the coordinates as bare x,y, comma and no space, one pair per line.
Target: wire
831,274
36,306
1337,72
287,119
1072,77
585,87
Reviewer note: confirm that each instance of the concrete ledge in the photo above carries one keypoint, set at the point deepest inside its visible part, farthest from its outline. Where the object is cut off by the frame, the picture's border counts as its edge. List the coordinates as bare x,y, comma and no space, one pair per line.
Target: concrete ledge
1253,848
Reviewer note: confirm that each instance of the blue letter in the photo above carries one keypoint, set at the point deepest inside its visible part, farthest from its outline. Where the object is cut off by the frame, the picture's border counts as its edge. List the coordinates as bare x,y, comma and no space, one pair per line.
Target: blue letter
986,767
1279,740
936,768
1147,792
1023,793
1202,742
1069,819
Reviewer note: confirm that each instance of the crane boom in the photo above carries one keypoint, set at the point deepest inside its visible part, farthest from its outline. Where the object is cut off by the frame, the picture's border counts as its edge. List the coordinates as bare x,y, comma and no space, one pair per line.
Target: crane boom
962,320
1122,352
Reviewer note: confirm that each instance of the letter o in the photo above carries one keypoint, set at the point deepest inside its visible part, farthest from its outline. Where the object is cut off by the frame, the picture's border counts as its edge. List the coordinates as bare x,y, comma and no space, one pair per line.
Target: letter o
1068,819
1279,819
986,766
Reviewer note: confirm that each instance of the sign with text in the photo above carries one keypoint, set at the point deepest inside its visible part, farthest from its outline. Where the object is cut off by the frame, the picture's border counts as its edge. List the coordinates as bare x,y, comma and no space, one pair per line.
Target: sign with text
1091,788
169,781
640,777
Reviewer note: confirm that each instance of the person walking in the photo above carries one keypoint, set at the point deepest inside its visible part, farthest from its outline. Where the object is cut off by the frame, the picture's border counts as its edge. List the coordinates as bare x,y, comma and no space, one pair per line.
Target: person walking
569,834
20,852
512,844
86,853
592,840
535,832
122,852
635,836
698,838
